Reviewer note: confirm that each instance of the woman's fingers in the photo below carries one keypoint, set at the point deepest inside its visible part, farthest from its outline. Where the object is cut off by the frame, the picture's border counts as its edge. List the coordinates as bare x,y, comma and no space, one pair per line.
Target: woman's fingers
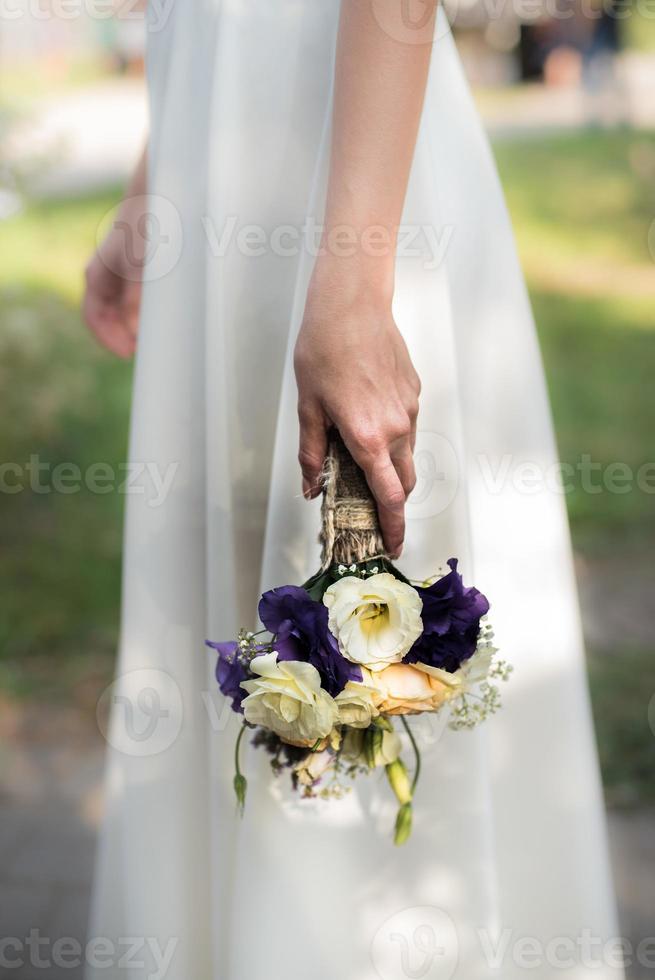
131,306
110,312
387,489
312,448
105,324
389,471
403,460
354,371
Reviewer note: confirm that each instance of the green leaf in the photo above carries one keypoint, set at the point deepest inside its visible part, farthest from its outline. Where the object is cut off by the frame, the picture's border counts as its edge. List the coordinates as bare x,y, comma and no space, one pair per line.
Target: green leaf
318,583
322,580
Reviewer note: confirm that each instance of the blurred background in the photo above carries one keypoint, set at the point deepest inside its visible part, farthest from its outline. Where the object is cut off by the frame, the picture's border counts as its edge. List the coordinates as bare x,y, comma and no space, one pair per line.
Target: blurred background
569,103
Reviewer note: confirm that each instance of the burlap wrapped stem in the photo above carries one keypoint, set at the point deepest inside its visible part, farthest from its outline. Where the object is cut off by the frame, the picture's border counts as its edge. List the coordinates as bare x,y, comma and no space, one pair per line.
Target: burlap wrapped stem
350,529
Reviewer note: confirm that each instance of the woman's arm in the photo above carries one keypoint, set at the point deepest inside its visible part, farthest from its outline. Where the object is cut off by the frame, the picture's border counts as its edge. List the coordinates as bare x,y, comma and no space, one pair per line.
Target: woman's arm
352,366
113,276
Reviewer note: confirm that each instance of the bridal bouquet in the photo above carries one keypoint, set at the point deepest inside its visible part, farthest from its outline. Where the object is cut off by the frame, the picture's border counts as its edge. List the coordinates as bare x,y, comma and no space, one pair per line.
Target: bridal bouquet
357,645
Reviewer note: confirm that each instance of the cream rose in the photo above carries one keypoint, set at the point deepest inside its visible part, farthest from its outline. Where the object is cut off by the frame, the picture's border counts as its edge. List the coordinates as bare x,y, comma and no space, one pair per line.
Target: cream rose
358,703
407,690
287,697
375,620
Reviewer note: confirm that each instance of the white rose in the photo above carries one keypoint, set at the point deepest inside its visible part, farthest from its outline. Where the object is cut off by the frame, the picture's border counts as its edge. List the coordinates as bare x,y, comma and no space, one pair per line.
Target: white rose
375,620
287,697
358,703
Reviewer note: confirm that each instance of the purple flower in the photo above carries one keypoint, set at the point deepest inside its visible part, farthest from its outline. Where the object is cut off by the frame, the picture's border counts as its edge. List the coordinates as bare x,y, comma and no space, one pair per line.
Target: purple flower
230,671
300,626
451,622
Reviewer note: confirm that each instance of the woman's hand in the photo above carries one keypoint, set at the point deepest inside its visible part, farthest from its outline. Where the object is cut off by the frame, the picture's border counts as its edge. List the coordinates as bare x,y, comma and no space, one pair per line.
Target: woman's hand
352,366
112,296
353,371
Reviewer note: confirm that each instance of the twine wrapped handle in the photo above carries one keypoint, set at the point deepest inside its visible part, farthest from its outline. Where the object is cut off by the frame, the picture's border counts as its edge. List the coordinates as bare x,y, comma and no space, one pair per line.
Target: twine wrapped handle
350,527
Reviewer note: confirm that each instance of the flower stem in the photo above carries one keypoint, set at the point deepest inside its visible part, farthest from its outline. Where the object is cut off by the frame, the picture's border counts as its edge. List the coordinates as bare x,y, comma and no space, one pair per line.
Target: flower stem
417,754
240,783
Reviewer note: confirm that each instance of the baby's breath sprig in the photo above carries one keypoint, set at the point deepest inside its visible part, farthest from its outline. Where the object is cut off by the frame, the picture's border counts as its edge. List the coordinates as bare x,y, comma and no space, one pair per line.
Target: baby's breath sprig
500,670
469,710
249,647
360,570
335,788
341,770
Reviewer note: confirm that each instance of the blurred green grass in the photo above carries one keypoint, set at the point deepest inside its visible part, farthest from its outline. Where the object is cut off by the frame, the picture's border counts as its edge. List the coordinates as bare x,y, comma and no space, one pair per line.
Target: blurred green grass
65,401
639,29
582,206
30,79
623,696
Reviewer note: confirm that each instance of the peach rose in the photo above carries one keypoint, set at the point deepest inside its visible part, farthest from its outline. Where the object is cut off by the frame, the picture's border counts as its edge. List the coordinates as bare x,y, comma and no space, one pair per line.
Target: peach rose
406,690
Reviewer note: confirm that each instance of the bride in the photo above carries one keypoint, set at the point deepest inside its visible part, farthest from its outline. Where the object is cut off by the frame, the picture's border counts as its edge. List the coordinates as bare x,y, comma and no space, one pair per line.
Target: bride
324,240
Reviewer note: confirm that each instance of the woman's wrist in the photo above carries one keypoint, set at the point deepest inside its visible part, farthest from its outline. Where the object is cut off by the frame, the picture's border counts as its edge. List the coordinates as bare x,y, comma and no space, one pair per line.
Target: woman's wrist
136,189
353,280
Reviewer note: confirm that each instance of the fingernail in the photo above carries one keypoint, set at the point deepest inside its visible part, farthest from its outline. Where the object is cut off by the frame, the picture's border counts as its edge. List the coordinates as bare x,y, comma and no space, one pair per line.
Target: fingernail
306,489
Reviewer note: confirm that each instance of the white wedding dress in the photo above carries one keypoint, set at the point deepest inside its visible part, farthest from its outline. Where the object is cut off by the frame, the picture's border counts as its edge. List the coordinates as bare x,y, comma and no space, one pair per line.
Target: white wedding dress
509,846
